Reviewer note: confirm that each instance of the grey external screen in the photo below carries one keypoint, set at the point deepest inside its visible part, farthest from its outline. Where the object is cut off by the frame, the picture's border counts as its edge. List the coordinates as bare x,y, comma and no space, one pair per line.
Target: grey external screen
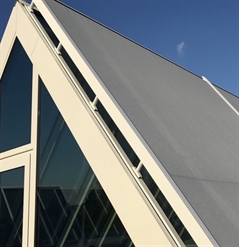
15,100
11,207
72,207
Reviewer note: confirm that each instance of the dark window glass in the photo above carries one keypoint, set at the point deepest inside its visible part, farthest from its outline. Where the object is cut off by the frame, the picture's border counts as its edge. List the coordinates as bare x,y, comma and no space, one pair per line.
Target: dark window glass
73,209
15,100
168,210
118,135
77,74
11,207
46,27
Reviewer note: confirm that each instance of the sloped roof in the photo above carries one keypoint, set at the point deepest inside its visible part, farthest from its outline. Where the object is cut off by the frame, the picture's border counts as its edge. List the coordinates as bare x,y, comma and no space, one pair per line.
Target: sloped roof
188,126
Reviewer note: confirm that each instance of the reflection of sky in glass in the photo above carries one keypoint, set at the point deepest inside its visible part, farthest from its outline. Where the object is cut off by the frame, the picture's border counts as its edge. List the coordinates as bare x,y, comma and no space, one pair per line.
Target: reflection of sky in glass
73,209
15,100
11,207
12,178
68,162
58,149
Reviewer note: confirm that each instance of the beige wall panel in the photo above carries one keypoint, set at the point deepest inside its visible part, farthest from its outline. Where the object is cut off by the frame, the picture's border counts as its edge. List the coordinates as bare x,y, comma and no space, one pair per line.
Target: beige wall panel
26,32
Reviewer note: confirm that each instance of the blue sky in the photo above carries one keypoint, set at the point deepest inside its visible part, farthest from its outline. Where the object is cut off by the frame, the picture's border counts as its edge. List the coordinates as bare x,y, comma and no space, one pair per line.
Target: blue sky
199,35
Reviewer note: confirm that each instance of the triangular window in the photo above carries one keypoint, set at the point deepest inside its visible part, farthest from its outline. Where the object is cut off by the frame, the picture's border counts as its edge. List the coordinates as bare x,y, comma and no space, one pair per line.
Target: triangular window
15,100
73,209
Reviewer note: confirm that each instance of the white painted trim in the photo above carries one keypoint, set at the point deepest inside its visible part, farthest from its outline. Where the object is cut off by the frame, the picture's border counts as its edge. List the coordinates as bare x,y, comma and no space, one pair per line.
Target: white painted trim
15,151
229,104
26,208
13,162
186,213
33,170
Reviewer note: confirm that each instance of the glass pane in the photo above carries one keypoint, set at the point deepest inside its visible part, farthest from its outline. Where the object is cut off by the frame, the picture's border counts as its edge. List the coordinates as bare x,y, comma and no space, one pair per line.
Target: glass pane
11,207
73,209
47,28
15,100
118,135
77,74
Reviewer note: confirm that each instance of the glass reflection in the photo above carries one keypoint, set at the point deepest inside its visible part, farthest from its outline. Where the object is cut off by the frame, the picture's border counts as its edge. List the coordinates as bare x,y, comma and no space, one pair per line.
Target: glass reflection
11,207
46,27
86,87
15,100
117,134
73,209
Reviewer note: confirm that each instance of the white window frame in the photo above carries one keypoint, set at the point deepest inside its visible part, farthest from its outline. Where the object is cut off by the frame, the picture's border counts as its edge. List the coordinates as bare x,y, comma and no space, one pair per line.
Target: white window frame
10,160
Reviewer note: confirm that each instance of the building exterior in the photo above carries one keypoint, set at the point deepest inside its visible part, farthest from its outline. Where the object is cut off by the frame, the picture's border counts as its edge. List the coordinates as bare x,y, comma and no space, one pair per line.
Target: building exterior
105,143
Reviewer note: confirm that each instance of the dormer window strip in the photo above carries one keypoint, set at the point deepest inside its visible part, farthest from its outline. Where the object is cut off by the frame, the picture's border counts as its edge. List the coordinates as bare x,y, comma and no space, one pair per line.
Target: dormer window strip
137,166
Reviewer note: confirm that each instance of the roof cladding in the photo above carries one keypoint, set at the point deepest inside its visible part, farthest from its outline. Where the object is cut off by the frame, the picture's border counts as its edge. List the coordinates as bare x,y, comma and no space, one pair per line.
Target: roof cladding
188,126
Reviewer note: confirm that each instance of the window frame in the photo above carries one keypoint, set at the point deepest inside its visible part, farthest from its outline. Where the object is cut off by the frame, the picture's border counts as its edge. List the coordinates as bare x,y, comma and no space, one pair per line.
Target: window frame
10,161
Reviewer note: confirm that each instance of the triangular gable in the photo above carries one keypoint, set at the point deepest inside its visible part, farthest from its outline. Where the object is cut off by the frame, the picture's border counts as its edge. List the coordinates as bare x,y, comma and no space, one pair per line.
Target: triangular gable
187,125
96,145
136,141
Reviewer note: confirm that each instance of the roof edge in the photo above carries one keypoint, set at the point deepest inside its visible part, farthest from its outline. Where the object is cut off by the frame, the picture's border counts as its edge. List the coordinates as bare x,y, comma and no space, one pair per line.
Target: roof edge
125,37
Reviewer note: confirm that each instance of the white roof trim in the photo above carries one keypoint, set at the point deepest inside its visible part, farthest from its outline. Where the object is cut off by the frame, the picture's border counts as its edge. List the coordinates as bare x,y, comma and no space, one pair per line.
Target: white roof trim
229,104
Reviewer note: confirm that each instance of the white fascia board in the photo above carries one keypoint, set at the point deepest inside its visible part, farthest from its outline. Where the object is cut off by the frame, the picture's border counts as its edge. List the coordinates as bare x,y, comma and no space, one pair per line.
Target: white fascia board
214,88
181,206
140,221
7,40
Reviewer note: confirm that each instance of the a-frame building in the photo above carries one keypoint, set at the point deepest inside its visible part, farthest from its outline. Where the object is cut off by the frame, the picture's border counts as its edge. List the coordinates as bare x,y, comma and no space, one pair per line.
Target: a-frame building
105,143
